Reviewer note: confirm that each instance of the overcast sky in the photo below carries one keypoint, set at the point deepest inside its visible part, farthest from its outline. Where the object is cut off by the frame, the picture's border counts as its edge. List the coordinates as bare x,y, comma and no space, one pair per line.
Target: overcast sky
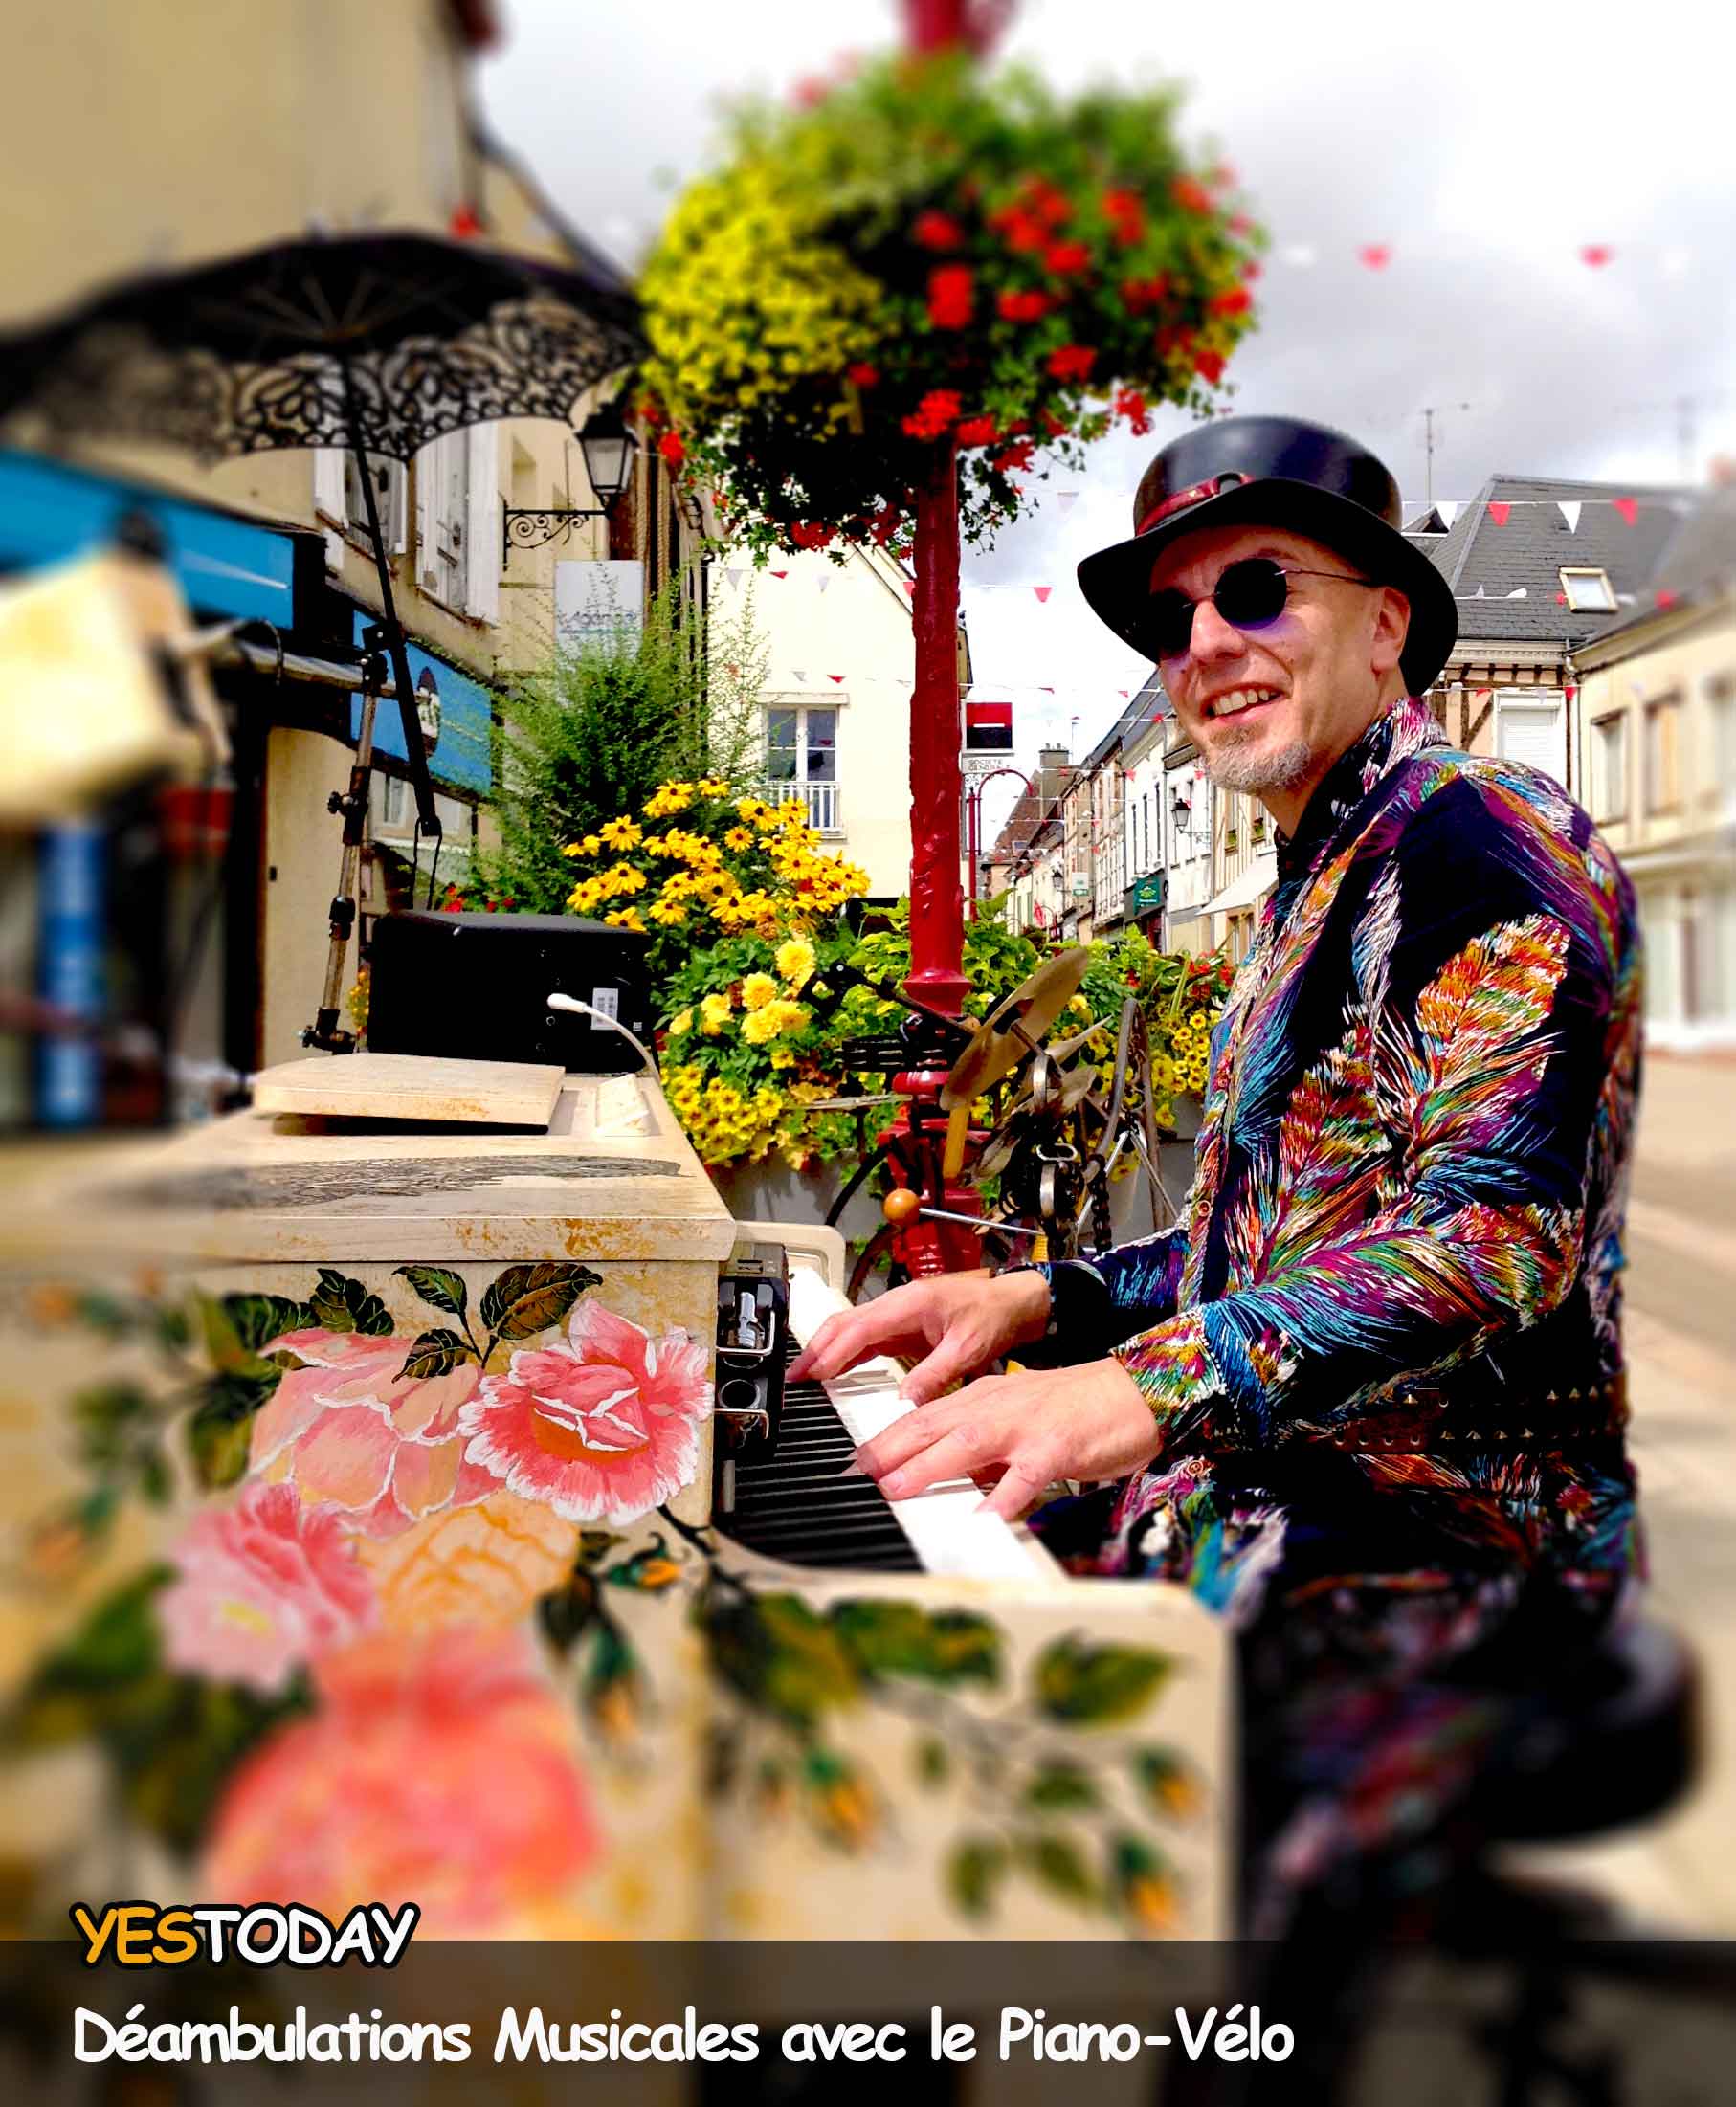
1484,145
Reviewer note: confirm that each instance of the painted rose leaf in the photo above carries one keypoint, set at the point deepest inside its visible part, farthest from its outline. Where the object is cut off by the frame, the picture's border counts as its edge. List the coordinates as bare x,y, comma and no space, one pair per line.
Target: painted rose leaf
902,1638
524,1300
1085,1685
437,1286
174,1739
436,1353
343,1304
974,1872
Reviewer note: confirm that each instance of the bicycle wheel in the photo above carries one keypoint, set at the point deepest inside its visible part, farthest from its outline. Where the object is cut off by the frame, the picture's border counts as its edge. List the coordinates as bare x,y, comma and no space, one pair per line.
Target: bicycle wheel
878,1269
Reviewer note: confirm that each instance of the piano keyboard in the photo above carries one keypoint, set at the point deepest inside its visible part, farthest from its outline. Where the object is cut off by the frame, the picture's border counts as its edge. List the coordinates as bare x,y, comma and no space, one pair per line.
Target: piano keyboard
799,1507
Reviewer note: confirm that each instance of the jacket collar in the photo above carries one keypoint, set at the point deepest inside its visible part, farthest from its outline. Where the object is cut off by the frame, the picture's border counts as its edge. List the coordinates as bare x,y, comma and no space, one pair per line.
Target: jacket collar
1399,732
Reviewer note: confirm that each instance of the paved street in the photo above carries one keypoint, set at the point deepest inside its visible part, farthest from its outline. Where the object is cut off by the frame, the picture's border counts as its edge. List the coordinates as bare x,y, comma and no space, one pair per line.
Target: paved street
1682,1345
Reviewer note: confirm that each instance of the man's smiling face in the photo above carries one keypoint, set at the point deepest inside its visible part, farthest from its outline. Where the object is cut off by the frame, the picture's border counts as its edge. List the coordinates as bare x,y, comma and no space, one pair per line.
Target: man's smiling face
1271,708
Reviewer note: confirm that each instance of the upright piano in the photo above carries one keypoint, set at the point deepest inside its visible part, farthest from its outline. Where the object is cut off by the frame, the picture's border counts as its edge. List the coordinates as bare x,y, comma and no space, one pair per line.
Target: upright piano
402,1429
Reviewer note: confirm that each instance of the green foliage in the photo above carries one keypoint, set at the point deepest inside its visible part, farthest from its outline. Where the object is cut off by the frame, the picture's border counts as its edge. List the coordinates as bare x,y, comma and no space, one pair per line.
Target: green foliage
174,1739
1079,1684
594,733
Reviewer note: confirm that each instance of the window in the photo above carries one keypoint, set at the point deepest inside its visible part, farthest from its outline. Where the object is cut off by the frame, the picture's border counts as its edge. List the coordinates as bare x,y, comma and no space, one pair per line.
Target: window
1721,704
1610,768
1532,728
338,500
391,801
1664,754
459,551
801,760
1589,591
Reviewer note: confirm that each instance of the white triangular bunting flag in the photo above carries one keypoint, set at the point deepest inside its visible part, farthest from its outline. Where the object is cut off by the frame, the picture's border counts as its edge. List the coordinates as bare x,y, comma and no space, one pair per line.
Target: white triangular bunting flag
1449,509
800,675
1569,508
1479,594
822,583
735,574
1066,500
1519,593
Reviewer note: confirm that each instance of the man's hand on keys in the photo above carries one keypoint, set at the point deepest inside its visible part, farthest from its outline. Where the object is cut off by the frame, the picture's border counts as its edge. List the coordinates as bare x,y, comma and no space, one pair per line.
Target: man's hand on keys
1019,1431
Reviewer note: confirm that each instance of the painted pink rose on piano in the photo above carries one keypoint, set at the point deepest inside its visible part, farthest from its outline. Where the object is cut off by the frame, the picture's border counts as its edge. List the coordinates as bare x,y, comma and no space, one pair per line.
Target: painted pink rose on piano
350,1430
602,1425
263,1586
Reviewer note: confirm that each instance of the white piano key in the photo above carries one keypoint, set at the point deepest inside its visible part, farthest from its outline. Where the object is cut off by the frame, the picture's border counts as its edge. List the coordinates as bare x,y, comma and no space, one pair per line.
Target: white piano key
945,1524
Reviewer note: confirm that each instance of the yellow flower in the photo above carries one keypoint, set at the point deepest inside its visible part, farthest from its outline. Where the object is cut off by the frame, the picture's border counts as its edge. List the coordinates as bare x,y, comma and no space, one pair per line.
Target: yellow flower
1080,1004
795,959
761,1025
714,1008
679,1023
623,832
573,849
670,913
782,1058
750,808
591,844
624,877
737,837
757,990
712,786
626,918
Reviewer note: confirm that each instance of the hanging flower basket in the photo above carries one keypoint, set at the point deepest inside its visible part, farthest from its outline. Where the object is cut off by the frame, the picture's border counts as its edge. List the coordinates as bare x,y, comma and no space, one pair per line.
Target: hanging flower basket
922,257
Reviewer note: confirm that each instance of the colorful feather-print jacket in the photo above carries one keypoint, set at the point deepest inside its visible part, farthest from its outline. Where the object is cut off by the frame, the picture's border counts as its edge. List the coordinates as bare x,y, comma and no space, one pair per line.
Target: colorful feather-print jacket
1398,1267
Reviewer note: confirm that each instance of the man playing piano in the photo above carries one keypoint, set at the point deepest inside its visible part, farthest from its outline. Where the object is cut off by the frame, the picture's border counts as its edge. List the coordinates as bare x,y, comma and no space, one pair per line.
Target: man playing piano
1368,1398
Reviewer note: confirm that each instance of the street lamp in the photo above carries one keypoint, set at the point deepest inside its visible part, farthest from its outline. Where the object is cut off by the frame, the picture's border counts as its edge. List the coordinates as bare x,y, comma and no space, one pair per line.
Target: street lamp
608,447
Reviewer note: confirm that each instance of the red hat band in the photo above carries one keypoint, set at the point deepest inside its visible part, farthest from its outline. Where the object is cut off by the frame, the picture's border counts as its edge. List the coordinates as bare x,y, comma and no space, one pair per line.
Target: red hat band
1195,494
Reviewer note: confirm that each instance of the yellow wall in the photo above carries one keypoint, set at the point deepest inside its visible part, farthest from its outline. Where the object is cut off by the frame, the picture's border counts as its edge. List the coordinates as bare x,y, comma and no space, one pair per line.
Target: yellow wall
858,626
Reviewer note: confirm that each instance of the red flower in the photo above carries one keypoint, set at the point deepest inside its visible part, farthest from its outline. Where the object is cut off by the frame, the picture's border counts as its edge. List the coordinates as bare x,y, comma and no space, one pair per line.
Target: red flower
934,415
1056,426
1063,257
977,431
936,231
1045,202
1017,456
1172,338
1139,294
1072,362
1022,306
810,534
671,448
1209,367
1131,404
651,410
1126,216
812,92
952,296
1024,231
1250,271
1190,195
1239,224
1236,301
864,374
464,225
886,522
1221,177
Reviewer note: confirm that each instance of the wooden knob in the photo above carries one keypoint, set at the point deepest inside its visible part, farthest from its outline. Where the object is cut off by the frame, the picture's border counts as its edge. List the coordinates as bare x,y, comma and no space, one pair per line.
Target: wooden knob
900,1204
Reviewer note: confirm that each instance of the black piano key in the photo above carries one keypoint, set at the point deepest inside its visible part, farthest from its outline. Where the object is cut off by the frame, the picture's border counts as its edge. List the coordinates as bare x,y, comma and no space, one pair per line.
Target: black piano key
798,1504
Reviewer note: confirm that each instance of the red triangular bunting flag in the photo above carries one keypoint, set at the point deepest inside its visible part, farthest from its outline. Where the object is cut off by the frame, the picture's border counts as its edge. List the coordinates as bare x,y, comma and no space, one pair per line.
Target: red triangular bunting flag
1569,693
1042,591
1665,598
911,587
1499,513
780,574
1597,254
1376,255
1124,693
1628,507
837,679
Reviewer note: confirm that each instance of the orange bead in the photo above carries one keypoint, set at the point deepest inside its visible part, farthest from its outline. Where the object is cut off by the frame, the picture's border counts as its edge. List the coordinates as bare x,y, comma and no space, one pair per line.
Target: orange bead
900,1204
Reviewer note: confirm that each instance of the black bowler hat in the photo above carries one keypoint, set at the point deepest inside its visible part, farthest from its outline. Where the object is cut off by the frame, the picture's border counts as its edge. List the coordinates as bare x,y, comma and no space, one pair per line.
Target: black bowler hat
1277,472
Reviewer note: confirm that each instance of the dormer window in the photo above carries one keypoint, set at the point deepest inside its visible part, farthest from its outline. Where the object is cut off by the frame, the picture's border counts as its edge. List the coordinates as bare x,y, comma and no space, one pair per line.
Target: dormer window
1589,591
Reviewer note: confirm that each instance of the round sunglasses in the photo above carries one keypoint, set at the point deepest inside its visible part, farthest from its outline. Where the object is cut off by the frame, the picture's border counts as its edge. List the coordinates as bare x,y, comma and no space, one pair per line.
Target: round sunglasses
1248,595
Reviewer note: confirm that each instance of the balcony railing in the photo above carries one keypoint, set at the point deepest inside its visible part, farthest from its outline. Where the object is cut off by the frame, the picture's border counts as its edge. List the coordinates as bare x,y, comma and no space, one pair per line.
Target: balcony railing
821,798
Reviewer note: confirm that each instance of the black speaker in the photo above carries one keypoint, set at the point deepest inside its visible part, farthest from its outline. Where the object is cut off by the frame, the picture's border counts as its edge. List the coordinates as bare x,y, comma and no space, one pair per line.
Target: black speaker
476,988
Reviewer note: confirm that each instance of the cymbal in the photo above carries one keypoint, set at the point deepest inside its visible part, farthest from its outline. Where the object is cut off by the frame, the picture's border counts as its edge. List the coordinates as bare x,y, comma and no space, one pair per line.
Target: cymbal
997,1049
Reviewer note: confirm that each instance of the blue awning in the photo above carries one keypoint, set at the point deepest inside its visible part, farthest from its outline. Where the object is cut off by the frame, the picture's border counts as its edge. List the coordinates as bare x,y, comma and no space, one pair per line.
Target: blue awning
462,756
50,513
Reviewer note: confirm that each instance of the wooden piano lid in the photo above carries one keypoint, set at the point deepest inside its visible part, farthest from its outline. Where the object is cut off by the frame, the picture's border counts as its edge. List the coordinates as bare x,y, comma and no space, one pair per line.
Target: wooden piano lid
609,1175
420,1087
